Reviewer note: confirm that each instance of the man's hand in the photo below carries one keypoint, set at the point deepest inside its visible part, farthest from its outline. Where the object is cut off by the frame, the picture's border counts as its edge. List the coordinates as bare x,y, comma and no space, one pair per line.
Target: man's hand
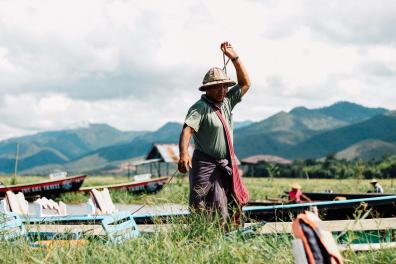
242,75
228,50
185,163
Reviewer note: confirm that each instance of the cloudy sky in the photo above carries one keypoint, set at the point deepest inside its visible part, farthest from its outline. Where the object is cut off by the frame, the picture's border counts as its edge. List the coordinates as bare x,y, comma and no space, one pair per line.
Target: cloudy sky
137,64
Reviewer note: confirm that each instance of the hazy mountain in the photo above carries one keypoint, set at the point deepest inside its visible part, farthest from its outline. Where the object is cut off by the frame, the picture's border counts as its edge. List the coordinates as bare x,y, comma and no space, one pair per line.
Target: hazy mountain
138,147
346,128
7,165
381,127
241,124
370,149
278,133
274,135
59,147
351,112
319,119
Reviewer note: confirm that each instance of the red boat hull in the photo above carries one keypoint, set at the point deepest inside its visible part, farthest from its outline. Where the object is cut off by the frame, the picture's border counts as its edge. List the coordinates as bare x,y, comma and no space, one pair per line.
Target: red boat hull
50,188
152,185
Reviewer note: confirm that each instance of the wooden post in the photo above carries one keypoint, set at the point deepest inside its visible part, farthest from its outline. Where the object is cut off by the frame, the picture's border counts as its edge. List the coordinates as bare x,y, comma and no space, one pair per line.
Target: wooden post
129,170
16,164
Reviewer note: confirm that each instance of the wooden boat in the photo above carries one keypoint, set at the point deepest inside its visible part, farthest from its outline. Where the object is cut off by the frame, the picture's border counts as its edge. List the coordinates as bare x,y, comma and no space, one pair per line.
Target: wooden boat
384,207
150,186
49,188
325,196
330,210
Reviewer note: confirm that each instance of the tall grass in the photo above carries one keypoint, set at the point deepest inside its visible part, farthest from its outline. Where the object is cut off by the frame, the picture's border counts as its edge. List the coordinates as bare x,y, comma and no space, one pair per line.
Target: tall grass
191,240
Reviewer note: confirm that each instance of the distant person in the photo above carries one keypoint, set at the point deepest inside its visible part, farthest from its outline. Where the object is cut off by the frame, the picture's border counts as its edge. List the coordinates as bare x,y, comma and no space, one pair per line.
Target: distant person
215,183
376,186
296,195
2,184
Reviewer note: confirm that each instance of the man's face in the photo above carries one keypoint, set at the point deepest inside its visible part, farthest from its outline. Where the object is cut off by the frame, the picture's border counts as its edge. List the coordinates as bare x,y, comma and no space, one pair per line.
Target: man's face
217,92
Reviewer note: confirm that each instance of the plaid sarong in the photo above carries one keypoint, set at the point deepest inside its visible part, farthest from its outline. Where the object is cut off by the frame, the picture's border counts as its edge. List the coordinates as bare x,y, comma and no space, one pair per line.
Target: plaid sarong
211,184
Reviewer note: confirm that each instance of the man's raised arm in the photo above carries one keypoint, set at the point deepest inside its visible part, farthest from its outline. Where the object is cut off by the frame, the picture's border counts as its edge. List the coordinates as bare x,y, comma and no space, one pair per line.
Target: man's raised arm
242,75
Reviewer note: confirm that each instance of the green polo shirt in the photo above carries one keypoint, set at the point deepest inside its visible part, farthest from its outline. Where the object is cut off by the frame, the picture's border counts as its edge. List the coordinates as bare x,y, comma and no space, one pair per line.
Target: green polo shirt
209,136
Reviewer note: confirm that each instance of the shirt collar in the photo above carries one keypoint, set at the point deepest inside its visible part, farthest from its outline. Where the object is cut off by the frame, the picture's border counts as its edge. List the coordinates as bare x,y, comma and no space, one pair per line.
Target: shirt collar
210,102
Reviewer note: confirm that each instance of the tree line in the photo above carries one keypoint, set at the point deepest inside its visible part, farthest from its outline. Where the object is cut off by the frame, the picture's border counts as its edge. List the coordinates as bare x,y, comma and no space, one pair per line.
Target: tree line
330,168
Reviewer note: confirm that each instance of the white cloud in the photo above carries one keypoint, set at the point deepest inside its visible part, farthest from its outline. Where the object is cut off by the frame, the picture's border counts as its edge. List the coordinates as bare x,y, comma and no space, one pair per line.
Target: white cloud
30,113
137,64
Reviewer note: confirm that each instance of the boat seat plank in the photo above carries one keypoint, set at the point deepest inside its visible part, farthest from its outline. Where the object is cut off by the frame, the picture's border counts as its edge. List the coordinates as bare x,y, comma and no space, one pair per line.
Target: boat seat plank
102,201
367,247
335,225
16,203
120,227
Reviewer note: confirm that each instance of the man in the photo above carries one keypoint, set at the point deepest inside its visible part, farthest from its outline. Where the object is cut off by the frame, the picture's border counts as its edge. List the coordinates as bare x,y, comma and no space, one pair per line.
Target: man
215,184
296,195
377,187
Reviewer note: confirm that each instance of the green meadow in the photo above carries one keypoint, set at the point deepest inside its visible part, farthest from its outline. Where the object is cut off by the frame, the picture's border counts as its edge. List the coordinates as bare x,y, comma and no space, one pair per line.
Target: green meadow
259,189
177,190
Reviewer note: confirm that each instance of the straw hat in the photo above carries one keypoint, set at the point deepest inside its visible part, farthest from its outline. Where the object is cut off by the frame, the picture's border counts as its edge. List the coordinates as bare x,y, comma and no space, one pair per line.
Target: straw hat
373,181
215,76
295,186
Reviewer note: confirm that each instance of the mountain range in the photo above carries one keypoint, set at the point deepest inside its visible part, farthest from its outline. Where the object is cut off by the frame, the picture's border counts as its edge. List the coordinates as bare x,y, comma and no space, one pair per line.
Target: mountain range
345,129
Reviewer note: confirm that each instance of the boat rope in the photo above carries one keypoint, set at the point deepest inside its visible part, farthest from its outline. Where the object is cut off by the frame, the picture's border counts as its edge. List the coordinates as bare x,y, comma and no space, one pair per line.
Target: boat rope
171,178
173,175
137,210
225,63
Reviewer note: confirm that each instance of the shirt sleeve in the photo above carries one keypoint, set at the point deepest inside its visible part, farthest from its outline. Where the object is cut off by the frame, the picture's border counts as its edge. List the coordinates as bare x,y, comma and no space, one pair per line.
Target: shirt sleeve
194,117
234,95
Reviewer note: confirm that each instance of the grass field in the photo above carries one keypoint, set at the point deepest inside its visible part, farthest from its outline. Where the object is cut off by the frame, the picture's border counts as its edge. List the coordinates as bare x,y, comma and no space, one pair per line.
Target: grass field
259,189
177,190
200,241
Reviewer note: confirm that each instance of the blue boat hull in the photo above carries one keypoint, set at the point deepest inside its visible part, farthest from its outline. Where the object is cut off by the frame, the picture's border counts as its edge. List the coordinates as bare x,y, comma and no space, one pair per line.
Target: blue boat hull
383,207
324,196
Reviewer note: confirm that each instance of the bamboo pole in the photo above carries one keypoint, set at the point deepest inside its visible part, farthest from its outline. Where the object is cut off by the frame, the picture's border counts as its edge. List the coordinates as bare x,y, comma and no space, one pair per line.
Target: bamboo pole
16,164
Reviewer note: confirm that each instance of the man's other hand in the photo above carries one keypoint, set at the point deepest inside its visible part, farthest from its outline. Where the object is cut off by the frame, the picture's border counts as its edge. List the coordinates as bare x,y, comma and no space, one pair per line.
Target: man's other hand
185,163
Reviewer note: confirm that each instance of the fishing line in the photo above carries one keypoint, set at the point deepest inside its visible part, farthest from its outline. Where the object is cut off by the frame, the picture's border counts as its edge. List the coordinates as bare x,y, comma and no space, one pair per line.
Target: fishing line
171,178
137,210
225,63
